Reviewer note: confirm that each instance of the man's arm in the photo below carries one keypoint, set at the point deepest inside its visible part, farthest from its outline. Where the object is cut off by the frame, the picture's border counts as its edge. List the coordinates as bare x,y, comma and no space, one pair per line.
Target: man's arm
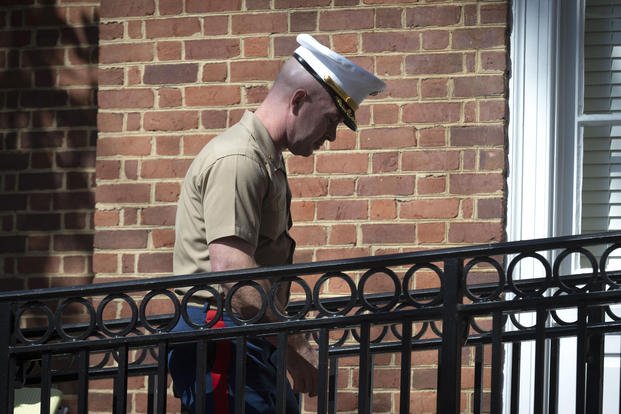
230,253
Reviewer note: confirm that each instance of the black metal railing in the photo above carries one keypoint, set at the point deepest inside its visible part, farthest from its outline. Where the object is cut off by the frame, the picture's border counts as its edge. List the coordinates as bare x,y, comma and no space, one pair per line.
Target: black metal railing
477,299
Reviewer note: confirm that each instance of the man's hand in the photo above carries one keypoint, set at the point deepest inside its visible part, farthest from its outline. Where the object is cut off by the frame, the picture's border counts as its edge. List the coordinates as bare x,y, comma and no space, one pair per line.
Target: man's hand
302,364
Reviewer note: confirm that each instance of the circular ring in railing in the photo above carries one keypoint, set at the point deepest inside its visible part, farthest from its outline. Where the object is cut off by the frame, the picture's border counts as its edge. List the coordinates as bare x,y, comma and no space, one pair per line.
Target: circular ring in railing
229,305
307,300
537,292
519,325
555,315
406,282
35,305
132,307
396,333
397,289
214,294
557,265
475,325
91,318
602,265
376,340
352,288
501,279
435,328
338,342
143,310
140,356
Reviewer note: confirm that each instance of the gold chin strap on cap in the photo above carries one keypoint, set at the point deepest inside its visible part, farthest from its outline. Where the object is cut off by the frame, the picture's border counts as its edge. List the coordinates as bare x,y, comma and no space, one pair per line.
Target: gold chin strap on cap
340,92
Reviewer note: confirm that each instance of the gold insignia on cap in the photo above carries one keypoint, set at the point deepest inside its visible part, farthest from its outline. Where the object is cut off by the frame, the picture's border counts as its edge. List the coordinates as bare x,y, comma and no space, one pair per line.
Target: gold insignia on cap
340,92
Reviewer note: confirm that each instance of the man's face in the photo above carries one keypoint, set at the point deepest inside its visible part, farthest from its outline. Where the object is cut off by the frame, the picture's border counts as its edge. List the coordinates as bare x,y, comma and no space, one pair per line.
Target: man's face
314,123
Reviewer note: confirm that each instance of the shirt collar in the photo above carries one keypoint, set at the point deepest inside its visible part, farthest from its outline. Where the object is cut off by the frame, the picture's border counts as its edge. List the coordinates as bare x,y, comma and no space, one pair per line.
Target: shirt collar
263,140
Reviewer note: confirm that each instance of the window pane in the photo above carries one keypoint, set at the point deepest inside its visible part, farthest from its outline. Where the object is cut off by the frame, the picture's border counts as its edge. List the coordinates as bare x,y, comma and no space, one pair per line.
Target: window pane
602,57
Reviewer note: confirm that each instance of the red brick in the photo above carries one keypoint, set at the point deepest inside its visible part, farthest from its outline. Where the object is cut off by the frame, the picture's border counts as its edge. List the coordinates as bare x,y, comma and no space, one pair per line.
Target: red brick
431,112
155,263
170,120
212,49
255,94
295,4
385,162
124,53
389,65
427,64
401,88
123,146
106,218
342,234
479,38
163,238
170,73
194,143
169,98
474,86
121,239
256,47
302,211
470,184
388,18
342,209
490,208
492,159
299,165
215,72
123,8
494,13
215,25
494,60
444,208
390,42
434,88
435,39
305,21
169,27
308,187
430,232
159,215
167,191
342,163
385,114
125,98
111,76
254,70
342,187
38,264
212,95
309,235
259,23
123,193
170,7
201,6
73,242
477,135
214,119
475,232
346,19
164,168
492,110
430,161
385,138
385,185
383,209
111,31
388,233
169,50
431,184
432,16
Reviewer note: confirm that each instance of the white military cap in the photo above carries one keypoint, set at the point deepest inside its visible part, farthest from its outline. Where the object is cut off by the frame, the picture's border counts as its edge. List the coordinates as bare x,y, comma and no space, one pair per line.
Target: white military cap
347,83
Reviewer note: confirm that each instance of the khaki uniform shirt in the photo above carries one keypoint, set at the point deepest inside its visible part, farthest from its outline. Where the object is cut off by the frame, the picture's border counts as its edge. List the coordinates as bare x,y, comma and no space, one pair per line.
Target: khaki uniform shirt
236,186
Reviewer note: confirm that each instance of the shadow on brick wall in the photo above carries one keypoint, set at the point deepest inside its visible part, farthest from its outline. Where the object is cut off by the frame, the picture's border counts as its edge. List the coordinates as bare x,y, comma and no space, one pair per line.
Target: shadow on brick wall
48,92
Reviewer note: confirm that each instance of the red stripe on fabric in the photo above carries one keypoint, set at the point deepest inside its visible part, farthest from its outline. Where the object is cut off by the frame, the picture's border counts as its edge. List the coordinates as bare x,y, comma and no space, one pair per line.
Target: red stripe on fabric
219,373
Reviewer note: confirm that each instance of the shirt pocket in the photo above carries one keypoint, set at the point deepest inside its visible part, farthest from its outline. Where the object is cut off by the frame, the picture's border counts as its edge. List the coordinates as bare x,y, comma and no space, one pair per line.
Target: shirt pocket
274,215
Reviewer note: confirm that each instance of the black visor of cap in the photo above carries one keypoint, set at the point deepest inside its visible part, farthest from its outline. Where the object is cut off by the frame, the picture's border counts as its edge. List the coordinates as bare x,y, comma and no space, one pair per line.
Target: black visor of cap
349,117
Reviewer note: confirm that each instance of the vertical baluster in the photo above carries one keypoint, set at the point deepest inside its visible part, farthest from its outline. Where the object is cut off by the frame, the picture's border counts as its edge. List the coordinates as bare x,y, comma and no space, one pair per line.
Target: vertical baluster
497,362
406,367
120,382
334,369
6,381
240,374
554,366
201,372
281,373
322,395
162,376
540,351
364,371
46,382
581,355
516,356
478,378
83,357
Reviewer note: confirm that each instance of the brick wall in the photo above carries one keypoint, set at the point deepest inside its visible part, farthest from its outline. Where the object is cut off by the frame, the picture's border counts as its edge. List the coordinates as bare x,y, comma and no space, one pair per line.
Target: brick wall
425,170
48,87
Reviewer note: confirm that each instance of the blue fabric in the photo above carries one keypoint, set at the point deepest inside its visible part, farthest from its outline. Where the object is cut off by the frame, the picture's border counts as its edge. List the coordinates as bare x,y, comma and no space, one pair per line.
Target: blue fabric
260,389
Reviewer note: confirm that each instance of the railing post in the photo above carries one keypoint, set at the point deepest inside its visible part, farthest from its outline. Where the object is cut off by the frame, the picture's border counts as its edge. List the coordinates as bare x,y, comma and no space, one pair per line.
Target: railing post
5,342
449,365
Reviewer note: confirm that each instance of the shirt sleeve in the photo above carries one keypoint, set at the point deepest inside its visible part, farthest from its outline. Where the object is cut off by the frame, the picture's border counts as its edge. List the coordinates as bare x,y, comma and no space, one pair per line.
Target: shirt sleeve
234,190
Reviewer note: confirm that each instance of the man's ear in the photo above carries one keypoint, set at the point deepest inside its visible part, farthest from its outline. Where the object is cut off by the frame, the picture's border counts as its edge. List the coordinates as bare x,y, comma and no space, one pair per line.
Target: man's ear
297,100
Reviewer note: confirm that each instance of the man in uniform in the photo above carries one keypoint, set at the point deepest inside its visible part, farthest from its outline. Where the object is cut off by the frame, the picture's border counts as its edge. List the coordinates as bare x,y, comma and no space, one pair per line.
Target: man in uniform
233,213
